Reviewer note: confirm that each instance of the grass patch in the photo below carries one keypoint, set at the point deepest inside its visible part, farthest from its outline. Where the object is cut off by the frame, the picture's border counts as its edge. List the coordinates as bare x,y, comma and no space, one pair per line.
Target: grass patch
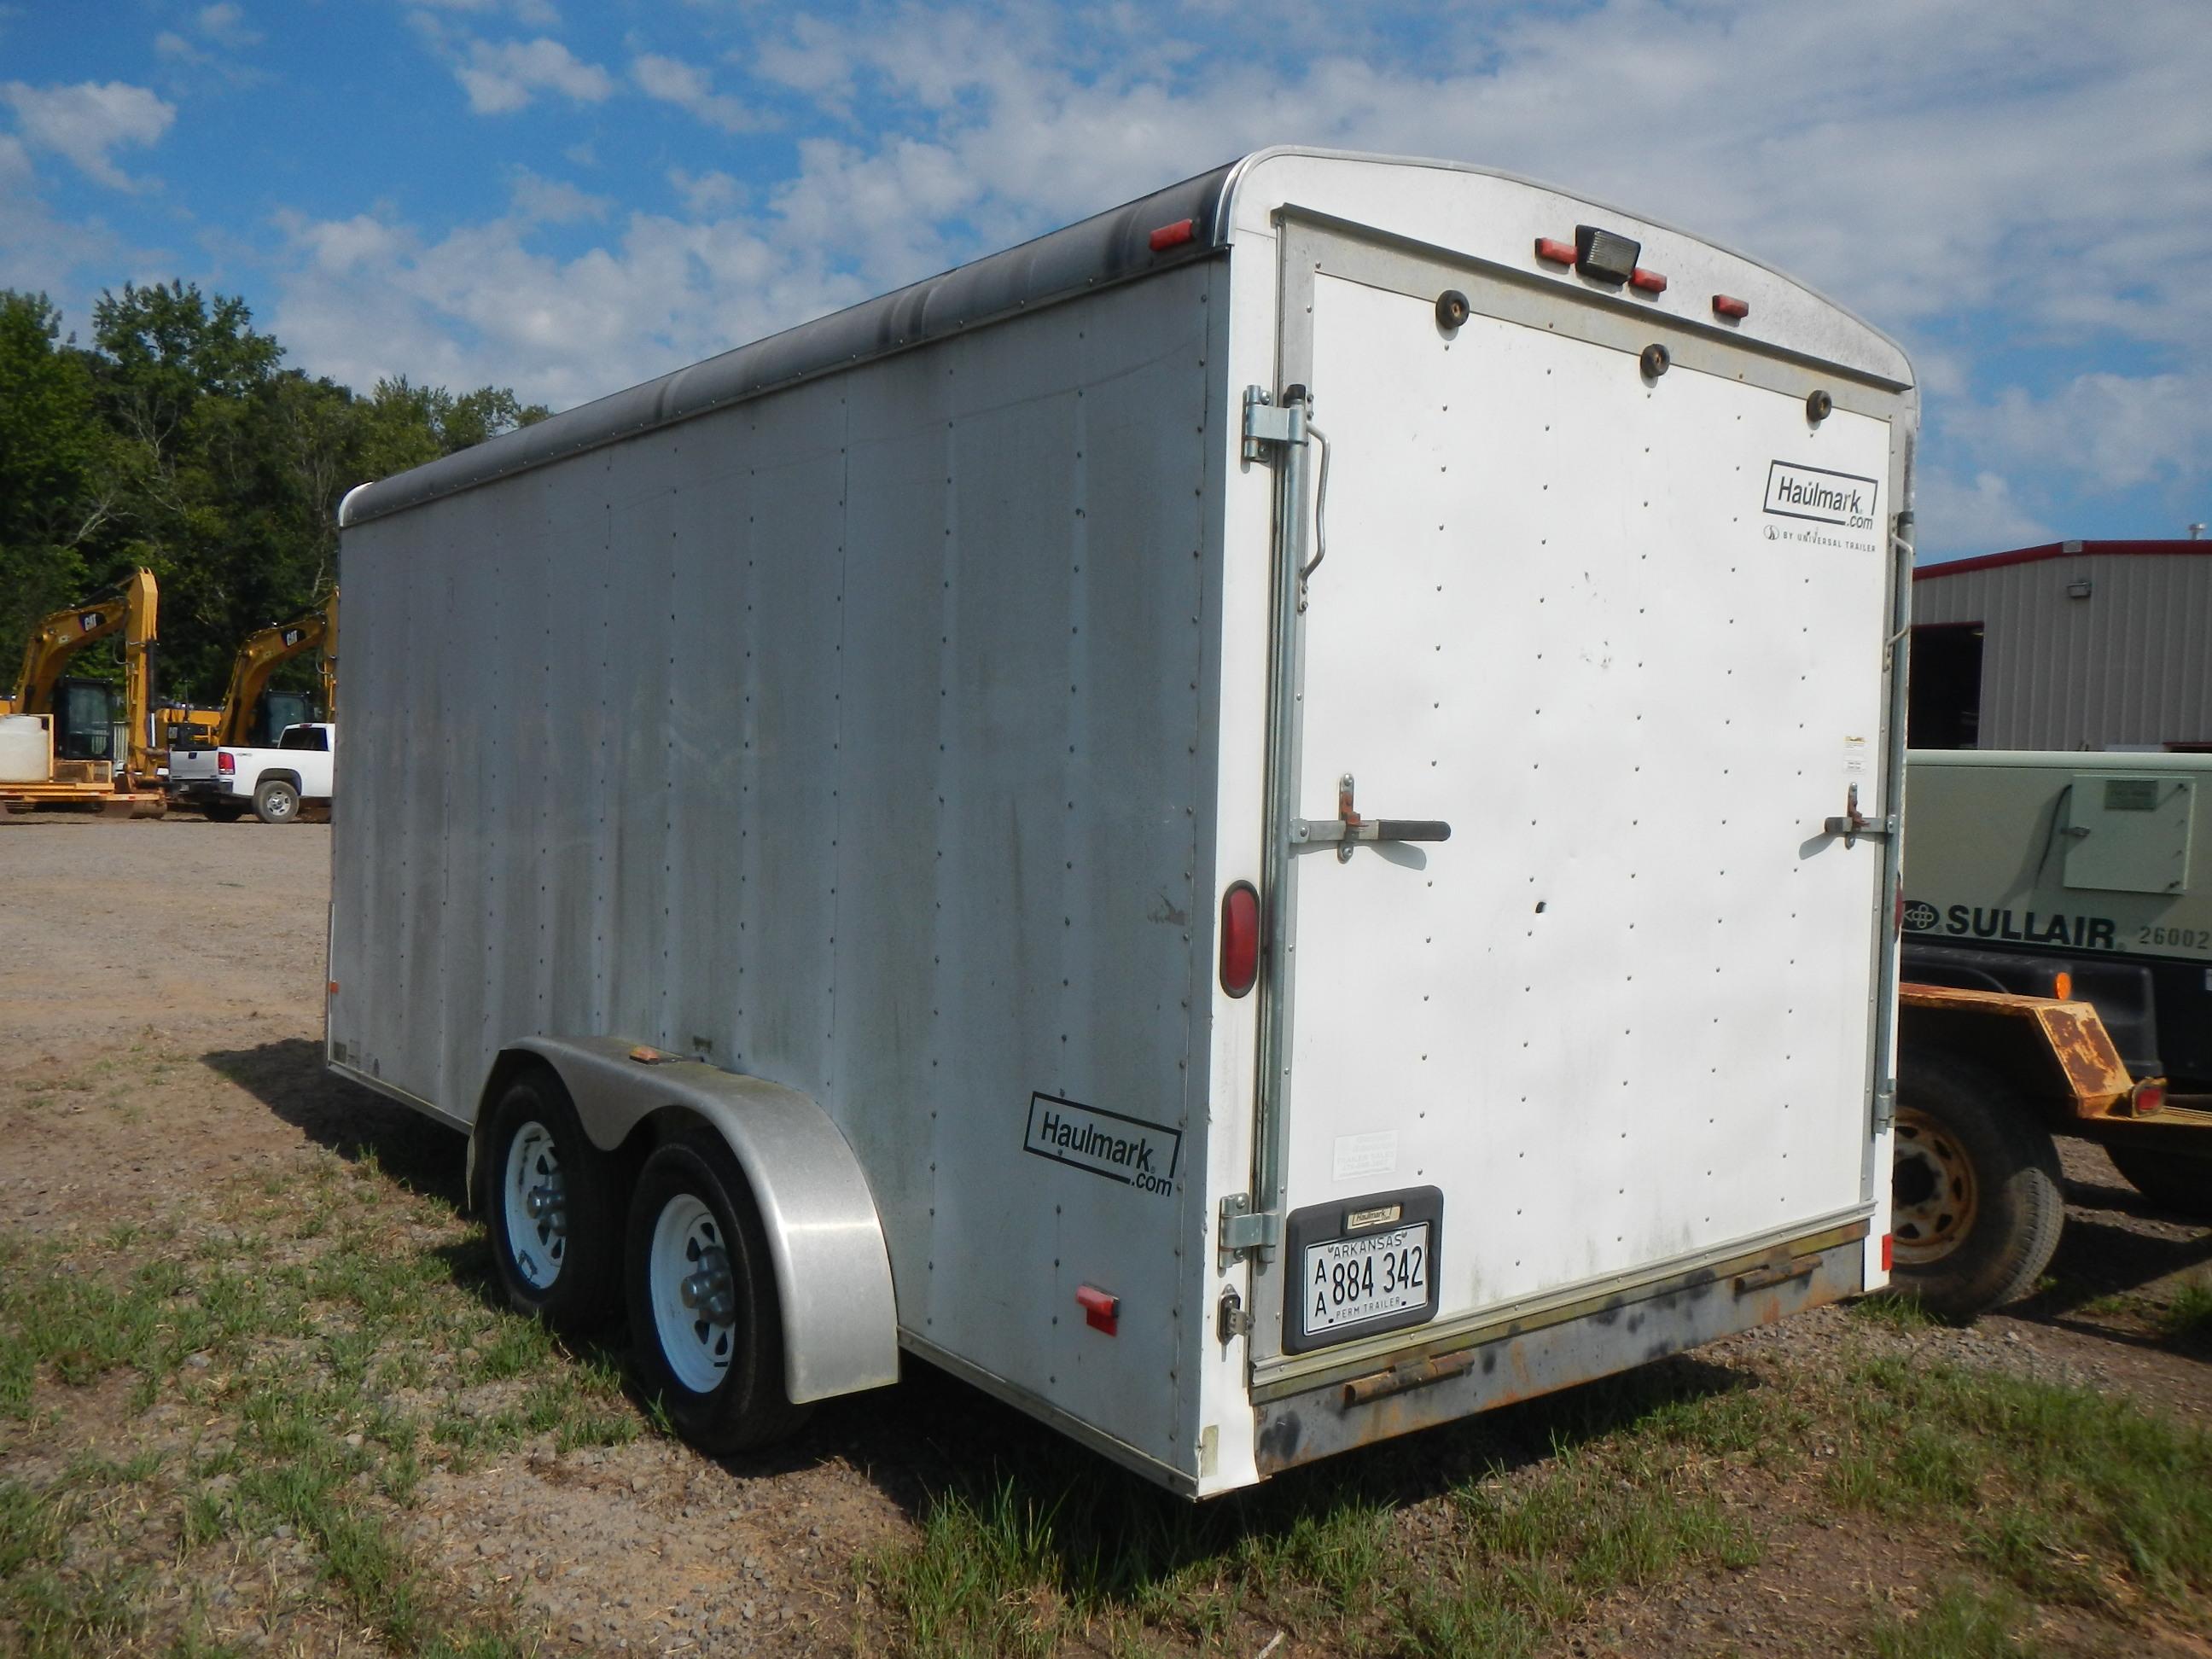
320,1350
2041,1478
1896,1310
1962,1622
2188,1317
1624,1500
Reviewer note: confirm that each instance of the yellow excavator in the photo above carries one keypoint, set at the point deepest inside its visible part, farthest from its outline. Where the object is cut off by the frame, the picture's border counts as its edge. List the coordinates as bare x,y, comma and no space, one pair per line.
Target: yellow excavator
60,742
243,719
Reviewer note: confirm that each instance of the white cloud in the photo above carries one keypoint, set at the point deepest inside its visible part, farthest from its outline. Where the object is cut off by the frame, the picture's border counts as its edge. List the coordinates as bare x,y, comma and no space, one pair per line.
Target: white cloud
366,297
2105,432
555,201
225,24
504,77
174,48
1973,515
688,88
708,195
86,121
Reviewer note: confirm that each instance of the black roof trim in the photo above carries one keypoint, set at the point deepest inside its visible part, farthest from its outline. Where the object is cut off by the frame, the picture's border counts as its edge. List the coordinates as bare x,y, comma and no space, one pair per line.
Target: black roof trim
1113,248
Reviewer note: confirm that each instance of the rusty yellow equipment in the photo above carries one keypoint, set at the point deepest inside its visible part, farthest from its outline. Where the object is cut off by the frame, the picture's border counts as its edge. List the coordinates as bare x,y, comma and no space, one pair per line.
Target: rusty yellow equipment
128,782
261,655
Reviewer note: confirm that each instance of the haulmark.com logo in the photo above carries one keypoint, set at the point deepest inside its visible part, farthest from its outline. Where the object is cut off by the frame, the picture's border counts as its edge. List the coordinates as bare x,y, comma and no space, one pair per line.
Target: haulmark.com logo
1124,1149
1822,497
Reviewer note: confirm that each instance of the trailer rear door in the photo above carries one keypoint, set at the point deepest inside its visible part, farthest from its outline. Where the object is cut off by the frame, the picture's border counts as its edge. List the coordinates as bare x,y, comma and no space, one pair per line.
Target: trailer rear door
1624,633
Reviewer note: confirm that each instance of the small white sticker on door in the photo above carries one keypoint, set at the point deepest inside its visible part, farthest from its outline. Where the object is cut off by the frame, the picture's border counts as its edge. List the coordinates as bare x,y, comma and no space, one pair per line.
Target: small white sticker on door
1857,763
1360,1156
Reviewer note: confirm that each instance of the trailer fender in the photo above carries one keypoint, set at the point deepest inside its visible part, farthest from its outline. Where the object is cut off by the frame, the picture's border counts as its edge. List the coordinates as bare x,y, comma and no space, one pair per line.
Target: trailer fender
2058,1053
833,1271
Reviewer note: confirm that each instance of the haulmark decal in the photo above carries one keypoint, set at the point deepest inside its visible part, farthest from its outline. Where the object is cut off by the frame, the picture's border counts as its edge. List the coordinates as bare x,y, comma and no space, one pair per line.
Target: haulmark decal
2021,927
1843,498
1124,1149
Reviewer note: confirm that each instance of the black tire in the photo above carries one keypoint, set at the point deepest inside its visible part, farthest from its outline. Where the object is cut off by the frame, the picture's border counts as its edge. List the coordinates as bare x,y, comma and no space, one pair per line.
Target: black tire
2180,1181
223,812
275,801
1976,1206
723,1389
559,1259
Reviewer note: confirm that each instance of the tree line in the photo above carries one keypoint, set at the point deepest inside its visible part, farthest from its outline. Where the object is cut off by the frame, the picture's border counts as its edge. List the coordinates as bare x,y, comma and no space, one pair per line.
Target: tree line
178,440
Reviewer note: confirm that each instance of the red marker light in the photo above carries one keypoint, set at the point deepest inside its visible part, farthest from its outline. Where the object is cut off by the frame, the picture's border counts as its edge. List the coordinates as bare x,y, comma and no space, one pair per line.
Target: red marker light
1240,938
1888,1240
1649,281
1174,235
1559,253
1102,1310
1729,305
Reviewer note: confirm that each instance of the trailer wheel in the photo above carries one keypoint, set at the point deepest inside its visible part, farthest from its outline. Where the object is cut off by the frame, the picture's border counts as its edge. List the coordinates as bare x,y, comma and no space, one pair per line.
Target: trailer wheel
1975,1207
2179,1181
549,1207
703,1310
275,801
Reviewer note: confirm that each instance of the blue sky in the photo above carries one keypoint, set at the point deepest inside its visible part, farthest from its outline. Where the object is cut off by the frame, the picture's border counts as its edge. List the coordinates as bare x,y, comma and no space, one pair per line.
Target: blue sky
569,198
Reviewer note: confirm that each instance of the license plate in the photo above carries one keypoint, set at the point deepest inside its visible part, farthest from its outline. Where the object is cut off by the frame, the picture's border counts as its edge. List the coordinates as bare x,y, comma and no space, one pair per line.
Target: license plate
1350,1281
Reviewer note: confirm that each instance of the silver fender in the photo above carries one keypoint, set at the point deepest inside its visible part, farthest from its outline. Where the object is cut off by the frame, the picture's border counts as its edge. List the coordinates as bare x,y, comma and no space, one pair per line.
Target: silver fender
833,1272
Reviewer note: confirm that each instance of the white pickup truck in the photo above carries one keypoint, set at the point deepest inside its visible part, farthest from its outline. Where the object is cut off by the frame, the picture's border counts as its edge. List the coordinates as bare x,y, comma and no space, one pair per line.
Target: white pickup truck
272,783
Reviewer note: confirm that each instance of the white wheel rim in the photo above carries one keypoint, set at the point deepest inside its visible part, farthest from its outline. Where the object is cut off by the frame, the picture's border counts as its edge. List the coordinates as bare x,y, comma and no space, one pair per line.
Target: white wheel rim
534,1207
694,1293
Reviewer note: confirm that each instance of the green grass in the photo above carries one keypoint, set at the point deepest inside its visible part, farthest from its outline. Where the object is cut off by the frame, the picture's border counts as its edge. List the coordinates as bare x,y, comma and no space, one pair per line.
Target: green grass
2188,1316
1028,1565
2039,1478
1962,1622
293,1331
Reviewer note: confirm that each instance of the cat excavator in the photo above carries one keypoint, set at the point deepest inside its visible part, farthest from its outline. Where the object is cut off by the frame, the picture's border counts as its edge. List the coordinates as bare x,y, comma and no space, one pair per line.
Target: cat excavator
244,718
60,742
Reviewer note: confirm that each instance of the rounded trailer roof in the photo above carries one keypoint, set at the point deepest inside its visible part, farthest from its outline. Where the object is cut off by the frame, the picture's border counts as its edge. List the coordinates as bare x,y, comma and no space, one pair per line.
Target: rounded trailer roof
1191,220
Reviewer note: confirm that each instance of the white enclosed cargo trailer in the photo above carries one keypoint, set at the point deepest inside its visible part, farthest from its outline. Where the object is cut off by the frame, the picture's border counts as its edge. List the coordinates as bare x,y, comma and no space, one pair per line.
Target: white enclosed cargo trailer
814,819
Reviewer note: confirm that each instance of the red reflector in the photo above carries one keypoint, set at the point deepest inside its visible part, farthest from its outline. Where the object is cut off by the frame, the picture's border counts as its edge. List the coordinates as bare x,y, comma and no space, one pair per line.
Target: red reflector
1102,1311
1888,1240
1559,253
334,988
1729,305
2149,1096
1649,281
226,761
1174,235
2061,985
1240,938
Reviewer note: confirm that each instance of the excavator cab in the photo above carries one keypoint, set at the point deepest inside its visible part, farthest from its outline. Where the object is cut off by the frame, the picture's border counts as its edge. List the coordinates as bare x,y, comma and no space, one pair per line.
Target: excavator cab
87,714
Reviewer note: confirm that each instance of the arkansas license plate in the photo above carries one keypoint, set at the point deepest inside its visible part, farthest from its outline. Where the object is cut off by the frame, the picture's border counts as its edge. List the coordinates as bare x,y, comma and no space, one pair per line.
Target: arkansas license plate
1350,1281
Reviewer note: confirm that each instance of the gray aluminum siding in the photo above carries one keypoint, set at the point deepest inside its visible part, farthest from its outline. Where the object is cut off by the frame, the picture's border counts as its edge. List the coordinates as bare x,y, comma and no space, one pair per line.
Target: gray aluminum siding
2130,664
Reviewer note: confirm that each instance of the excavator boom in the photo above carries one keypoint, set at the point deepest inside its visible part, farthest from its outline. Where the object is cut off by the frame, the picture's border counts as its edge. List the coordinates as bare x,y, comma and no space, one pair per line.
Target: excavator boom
265,651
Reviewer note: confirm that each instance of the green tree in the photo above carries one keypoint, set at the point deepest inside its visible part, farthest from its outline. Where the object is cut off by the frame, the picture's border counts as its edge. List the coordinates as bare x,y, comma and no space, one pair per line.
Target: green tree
181,443
55,463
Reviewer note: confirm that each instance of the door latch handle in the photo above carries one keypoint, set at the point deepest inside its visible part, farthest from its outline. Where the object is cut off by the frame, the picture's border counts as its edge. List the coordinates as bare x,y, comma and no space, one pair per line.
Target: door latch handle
1347,828
1855,823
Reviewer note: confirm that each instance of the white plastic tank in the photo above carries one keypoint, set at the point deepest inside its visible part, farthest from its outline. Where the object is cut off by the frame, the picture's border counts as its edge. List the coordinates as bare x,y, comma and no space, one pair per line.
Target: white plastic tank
25,752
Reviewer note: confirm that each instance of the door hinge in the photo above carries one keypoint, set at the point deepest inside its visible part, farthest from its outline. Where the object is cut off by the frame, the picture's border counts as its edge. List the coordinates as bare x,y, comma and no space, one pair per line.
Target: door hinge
1885,1106
1266,421
1244,1230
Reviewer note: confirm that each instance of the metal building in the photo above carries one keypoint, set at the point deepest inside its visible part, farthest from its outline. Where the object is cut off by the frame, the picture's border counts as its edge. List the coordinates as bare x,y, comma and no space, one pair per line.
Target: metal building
2071,645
